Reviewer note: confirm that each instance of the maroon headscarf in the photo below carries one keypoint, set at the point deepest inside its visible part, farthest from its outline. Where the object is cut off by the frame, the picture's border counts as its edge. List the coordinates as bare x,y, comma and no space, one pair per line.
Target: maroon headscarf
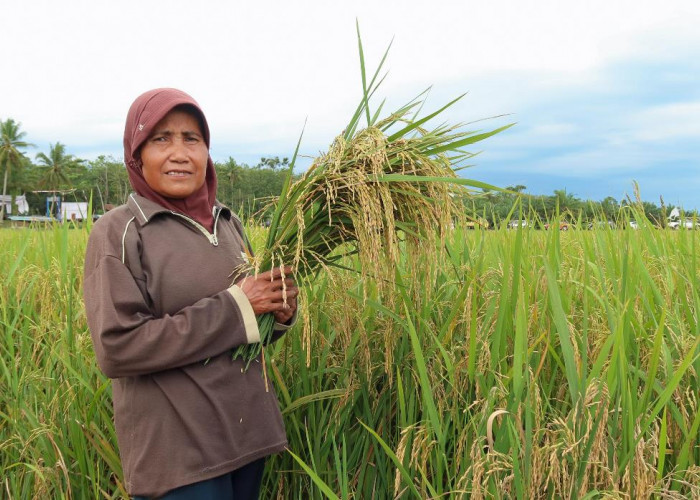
147,110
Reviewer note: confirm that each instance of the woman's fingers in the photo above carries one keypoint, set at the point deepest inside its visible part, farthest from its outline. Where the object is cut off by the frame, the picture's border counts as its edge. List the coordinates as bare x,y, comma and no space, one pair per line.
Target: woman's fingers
275,273
269,294
287,312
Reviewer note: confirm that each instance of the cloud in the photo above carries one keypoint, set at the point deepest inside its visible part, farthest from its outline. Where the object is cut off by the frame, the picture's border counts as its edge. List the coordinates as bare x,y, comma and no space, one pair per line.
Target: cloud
631,118
601,91
669,122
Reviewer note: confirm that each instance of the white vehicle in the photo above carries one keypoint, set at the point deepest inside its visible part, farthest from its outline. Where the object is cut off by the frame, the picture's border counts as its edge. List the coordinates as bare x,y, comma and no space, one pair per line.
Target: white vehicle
684,224
518,223
675,221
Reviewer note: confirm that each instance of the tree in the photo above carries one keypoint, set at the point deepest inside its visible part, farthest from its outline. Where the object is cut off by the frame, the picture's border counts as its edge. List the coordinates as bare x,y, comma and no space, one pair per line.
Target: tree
518,188
247,190
230,176
610,208
273,163
566,202
58,165
654,213
10,155
106,180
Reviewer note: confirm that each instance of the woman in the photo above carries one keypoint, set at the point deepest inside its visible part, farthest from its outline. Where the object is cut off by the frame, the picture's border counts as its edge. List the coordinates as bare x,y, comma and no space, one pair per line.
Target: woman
164,317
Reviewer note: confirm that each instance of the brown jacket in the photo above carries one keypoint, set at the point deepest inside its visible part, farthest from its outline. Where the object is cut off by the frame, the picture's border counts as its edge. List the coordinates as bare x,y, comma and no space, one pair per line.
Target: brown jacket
158,308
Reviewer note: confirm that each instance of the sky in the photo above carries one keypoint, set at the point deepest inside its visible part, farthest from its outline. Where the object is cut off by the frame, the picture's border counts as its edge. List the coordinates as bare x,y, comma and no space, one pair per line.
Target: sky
603,94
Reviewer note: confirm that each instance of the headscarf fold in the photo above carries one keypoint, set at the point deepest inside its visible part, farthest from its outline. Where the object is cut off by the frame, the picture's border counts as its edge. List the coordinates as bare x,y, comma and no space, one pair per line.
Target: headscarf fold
146,111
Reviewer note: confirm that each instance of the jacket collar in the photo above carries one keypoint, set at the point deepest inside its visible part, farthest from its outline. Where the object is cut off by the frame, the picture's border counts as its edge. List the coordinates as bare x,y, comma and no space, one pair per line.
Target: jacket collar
144,209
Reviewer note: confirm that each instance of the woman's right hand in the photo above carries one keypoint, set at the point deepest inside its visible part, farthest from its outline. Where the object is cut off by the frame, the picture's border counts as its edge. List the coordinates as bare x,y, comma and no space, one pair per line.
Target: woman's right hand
266,292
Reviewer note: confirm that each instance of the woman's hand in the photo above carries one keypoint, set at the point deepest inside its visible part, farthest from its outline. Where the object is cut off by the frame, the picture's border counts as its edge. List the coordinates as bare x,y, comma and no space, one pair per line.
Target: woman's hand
287,313
266,293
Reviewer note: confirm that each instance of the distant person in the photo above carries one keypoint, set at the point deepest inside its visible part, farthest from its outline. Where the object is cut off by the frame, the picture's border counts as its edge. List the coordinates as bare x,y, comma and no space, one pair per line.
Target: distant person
164,317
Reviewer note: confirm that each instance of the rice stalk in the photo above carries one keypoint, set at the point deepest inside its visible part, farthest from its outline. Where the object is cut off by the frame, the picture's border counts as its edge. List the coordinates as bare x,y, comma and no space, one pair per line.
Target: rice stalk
391,183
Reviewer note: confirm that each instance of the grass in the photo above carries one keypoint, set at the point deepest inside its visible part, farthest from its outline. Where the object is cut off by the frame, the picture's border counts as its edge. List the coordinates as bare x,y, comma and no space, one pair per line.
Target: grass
587,339
56,429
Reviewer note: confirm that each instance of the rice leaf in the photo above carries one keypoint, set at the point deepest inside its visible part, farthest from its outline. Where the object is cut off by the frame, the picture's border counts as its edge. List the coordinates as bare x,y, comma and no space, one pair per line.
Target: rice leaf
325,489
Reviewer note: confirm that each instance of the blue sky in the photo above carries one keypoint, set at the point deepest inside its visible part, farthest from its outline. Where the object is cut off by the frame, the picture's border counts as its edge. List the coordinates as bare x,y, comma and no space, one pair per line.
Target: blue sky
603,93
639,122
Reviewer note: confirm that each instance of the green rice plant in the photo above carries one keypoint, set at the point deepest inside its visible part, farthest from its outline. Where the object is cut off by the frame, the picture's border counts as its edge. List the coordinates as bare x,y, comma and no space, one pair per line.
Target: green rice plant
56,433
392,180
388,392
592,306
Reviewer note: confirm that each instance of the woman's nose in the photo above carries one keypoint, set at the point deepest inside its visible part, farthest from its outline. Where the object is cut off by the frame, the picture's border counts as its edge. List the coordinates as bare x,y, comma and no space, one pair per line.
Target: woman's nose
178,150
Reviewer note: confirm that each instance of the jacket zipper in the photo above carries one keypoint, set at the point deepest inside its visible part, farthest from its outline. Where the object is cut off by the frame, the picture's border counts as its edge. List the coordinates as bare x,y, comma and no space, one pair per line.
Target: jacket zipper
211,237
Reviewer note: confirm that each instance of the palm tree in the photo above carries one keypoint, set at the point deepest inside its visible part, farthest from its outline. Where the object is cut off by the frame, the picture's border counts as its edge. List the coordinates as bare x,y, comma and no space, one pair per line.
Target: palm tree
230,174
57,163
566,202
10,155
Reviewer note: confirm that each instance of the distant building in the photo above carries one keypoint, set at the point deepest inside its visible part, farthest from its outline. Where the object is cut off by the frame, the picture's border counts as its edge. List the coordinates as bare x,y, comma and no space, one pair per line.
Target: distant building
63,211
74,210
20,202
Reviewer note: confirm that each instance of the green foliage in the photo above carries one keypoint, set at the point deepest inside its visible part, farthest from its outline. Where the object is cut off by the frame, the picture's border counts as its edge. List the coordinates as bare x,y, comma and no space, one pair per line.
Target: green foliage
56,167
495,207
11,156
388,394
249,190
106,180
56,432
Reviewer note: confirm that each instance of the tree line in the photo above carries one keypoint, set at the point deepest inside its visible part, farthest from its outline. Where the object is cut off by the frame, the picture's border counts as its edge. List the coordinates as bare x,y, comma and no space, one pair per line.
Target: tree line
247,189
495,206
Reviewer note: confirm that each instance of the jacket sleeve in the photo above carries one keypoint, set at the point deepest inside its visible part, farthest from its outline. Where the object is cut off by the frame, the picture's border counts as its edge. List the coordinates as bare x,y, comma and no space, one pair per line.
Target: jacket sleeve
129,340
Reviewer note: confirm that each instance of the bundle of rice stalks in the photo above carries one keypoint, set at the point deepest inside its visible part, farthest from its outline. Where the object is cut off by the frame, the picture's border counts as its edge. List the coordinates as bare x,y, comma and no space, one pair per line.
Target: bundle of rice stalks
393,180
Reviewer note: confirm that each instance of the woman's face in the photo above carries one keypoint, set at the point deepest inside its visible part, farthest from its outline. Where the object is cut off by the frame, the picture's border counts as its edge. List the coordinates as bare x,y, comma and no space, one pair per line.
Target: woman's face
175,155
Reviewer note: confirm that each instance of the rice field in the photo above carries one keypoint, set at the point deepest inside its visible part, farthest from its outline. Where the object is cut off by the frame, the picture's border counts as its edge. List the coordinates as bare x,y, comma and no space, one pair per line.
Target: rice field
495,364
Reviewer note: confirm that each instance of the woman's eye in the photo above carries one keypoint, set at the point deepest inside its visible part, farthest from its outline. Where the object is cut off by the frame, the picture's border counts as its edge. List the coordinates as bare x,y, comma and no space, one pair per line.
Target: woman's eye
158,139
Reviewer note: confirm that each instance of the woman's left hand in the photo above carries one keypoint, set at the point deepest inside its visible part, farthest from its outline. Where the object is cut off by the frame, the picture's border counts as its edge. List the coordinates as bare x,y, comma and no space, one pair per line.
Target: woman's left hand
284,315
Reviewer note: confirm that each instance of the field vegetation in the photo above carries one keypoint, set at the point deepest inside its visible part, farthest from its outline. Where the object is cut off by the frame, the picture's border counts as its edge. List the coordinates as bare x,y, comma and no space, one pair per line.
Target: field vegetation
495,364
